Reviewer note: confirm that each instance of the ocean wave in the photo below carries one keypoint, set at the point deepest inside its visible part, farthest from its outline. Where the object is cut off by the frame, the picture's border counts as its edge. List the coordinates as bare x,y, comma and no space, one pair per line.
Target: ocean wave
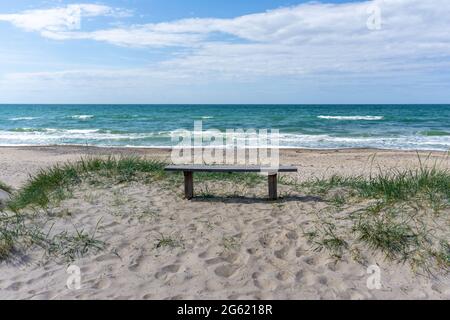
101,137
207,117
82,131
354,118
23,118
82,116
324,141
26,130
62,136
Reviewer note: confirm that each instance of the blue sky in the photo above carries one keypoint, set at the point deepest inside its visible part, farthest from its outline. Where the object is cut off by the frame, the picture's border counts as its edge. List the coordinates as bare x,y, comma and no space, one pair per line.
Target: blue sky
253,51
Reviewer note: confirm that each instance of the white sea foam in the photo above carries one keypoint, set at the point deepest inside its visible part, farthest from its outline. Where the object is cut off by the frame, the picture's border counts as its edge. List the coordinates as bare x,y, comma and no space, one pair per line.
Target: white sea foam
64,136
105,138
207,117
82,116
349,118
83,131
23,118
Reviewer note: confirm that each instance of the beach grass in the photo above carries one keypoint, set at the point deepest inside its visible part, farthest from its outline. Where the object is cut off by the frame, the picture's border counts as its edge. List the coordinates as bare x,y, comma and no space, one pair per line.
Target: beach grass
73,246
329,241
400,214
52,185
390,186
6,243
18,232
5,187
168,241
55,183
392,238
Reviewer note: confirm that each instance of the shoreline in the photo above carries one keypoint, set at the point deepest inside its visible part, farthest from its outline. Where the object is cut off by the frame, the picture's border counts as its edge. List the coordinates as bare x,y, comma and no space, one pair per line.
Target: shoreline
167,148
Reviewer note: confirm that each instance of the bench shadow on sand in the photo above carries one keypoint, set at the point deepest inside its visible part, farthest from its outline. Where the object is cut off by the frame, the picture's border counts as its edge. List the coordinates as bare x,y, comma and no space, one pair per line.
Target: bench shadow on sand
248,200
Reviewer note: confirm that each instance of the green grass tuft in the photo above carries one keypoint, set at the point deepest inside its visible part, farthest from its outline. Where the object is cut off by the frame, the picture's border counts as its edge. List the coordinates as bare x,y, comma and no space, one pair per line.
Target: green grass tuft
5,187
390,186
170,242
71,247
47,183
6,245
55,184
396,240
326,238
16,233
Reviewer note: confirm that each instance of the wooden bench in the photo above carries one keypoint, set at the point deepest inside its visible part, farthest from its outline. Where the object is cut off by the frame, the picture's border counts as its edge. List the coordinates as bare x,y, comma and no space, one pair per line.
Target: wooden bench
189,170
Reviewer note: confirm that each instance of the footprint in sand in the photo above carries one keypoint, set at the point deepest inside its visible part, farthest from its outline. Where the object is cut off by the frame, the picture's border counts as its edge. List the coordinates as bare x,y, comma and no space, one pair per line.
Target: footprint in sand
101,284
356,294
441,288
309,260
211,251
284,276
106,257
230,257
261,223
322,280
292,235
226,271
212,285
173,268
265,242
165,271
141,264
264,281
147,296
47,295
299,252
214,261
16,286
282,253
299,276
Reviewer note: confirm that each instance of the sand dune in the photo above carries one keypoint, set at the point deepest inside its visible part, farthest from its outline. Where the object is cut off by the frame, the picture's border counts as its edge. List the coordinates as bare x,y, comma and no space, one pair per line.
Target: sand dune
159,246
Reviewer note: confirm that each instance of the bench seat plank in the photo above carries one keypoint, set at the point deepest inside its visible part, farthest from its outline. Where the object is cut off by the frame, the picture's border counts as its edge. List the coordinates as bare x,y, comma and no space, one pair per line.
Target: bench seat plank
221,168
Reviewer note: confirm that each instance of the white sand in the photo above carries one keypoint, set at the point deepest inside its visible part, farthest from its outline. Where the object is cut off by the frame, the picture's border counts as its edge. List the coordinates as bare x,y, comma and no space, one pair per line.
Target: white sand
236,248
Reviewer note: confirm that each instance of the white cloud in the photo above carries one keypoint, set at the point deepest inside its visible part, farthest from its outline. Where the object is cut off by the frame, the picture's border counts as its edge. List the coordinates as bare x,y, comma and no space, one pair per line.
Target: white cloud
312,23
304,38
51,21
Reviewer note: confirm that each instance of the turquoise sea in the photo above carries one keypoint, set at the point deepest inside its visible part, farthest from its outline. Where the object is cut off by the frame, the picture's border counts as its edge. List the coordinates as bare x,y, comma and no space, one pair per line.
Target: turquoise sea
412,127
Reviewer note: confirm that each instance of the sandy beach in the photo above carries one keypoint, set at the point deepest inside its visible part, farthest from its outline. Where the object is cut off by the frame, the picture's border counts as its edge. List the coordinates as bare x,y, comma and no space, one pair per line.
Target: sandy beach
160,246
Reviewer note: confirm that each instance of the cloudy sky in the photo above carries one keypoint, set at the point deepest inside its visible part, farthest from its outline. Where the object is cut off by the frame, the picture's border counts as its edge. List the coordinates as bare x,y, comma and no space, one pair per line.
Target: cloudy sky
225,51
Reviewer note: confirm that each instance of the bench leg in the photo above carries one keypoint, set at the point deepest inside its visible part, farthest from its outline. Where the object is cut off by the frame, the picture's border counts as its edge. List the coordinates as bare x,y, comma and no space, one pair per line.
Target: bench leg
188,185
273,187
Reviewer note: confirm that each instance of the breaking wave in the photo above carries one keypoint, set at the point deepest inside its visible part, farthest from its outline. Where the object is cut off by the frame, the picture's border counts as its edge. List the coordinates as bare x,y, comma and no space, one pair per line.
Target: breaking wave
354,118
